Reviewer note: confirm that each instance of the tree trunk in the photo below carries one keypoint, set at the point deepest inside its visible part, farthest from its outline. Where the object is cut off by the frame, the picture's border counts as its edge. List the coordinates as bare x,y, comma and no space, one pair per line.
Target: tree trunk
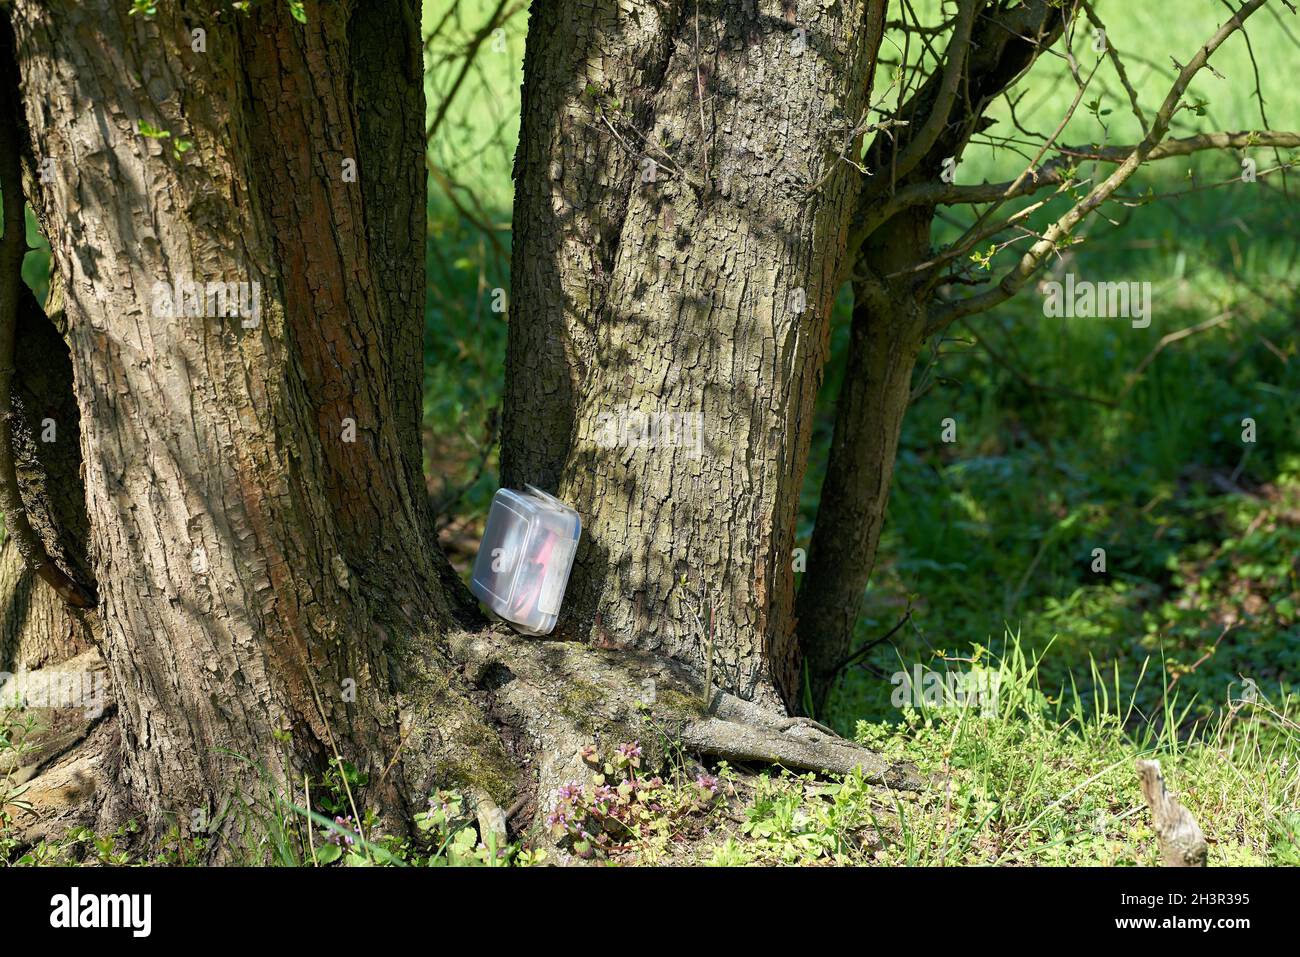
681,212
270,597
37,627
258,528
892,296
887,334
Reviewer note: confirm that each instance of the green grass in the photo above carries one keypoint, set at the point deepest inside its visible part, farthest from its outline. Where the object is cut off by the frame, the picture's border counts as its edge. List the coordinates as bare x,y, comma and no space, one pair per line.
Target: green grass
1041,778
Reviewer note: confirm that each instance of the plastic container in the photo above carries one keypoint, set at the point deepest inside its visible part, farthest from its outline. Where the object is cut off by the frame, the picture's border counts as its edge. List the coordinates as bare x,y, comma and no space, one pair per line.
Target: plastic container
525,557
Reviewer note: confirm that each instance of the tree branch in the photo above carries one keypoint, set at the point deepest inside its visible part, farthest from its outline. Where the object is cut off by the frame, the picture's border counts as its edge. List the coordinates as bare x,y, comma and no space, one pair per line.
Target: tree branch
1118,63
1003,47
958,48
1051,173
1033,260
471,51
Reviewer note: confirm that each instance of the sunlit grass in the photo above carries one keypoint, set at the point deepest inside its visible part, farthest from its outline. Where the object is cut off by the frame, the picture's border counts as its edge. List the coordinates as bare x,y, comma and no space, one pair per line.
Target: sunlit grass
1043,776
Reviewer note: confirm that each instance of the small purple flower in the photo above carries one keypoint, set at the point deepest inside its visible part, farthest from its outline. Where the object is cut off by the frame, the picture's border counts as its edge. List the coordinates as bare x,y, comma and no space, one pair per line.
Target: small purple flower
439,802
343,840
569,792
604,800
707,782
630,751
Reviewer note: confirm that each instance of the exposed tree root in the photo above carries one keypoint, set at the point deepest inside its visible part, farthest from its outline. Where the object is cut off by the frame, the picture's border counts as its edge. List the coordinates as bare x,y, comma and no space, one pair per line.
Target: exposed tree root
740,730
564,697
505,720
791,749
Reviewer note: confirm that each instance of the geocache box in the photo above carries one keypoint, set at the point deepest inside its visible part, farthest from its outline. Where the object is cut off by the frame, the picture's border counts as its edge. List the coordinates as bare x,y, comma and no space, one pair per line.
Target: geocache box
525,557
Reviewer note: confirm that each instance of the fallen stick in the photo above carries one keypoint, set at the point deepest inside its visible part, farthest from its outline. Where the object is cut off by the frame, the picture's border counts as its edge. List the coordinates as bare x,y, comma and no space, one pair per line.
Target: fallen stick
1182,844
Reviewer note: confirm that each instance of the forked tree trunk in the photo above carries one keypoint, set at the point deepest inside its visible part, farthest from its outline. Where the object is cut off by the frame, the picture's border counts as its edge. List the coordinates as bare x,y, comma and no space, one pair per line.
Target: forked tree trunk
888,322
270,596
680,214
258,525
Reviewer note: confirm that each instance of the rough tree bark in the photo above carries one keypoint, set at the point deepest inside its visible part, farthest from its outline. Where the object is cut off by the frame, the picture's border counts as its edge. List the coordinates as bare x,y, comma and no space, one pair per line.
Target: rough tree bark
37,626
270,594
682,204
261,574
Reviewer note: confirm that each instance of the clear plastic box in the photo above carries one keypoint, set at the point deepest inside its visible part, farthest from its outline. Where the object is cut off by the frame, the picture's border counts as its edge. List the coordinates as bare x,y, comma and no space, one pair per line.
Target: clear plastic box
525,557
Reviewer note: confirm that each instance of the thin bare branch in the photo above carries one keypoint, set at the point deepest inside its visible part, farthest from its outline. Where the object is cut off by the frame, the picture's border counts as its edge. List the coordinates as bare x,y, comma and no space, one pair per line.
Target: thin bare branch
1059,231
1113,53
1053,172
470,52
928,135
